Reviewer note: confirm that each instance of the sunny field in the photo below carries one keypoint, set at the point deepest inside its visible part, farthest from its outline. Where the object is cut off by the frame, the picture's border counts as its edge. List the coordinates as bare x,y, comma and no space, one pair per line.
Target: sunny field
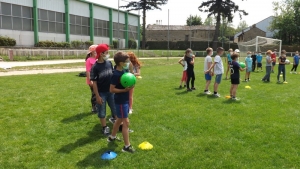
45,122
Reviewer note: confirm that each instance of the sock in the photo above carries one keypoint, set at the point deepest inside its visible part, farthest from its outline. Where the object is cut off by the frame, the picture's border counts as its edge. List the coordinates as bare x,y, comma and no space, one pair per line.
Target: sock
205,90
248,79
127,146
215,92
104,127
113,137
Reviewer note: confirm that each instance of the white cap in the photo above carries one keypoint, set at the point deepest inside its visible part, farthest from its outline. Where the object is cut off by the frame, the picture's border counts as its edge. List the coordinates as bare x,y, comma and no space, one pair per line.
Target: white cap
237,51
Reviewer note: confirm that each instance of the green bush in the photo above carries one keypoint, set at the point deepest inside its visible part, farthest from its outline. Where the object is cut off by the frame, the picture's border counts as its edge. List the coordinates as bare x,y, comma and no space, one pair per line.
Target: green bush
77,44
115,43
49,44
132,44
7,41
88,43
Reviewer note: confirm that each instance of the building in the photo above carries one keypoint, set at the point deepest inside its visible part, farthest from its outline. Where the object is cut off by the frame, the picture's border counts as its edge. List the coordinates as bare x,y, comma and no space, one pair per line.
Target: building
180,33
31,21
259,29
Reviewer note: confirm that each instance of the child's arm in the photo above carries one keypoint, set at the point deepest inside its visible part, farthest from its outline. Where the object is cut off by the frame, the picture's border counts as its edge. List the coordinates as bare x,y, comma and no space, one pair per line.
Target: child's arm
131,67
279,60
113,89
211,67
138,73
180,61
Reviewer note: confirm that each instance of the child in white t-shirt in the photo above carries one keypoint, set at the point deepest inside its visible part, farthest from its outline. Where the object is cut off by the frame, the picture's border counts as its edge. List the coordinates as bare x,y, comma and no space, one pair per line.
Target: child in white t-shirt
208,75
184,75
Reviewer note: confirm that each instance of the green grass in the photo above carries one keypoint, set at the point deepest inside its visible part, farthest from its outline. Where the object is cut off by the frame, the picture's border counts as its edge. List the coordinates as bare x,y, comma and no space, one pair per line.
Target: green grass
45,122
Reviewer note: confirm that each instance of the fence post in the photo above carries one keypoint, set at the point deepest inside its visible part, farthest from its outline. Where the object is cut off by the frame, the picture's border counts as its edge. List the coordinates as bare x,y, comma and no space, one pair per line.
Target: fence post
47,53
11,54
63,54
77,53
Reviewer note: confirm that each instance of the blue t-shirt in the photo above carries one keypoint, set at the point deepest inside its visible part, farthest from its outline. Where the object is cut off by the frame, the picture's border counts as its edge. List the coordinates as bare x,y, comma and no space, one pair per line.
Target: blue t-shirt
249,62
229,57
120,98
235,70
259,58
296,59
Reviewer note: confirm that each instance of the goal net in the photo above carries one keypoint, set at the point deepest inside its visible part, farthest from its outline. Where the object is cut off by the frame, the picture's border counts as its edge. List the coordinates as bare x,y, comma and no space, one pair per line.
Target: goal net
259,44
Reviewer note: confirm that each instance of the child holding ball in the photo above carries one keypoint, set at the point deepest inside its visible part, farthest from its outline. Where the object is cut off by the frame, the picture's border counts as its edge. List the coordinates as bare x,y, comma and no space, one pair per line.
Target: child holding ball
207,64
268,67
281,66
182,62
121,100
235,76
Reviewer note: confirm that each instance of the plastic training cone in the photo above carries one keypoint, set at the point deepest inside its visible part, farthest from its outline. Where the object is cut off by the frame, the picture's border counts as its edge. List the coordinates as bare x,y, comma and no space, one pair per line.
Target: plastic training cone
227,97
247,87
108,155
145,146
139,77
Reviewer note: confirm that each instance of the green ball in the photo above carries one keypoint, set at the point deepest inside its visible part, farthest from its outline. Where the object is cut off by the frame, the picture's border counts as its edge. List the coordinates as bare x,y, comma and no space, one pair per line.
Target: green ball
242,64
128,80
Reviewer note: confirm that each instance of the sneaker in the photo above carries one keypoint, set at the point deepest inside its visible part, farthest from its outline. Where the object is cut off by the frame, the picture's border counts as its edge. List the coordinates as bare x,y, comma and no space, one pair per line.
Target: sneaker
105,131
111,139
189,90
295,72
128,149
217,95
278,81
112,120
245,80
235,99
193,88
130,111
291,72
208,93
285,82
130,131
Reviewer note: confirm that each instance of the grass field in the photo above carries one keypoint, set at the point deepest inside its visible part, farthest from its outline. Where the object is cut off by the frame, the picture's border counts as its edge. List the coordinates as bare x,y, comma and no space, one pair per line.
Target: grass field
45,122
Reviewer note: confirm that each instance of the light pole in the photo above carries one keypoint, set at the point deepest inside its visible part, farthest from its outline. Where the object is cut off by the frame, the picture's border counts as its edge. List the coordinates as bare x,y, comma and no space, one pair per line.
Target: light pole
190,32
118,36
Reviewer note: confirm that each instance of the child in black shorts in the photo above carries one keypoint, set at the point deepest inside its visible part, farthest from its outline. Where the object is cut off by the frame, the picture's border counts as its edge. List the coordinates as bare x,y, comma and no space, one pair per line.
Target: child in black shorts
235,75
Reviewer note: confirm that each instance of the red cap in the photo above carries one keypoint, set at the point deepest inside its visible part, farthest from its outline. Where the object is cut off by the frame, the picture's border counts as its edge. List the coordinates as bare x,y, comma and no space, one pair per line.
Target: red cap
100,49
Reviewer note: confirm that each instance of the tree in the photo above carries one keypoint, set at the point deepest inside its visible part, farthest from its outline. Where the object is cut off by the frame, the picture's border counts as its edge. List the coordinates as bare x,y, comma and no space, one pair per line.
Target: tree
209,21
286,22
226,30
219,8
242,25
193,20
144,5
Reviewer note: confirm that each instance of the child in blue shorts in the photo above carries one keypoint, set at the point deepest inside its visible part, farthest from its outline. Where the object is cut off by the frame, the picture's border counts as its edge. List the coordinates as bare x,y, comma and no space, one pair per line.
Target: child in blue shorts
208,75
248,62
121,100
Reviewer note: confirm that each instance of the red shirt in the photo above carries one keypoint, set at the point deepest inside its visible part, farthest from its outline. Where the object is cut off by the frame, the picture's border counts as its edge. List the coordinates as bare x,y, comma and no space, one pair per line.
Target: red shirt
273,57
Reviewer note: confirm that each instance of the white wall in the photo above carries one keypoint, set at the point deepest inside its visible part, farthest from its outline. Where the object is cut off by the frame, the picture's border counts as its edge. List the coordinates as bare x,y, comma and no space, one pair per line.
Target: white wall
19,2
23,38
121,16
52,5
79,8
55,37
99,40
79,37
101,13
133,20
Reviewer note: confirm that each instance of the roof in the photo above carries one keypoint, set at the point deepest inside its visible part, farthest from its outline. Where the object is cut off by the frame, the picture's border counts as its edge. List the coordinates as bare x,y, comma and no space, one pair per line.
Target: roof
86,1
248,28
179,27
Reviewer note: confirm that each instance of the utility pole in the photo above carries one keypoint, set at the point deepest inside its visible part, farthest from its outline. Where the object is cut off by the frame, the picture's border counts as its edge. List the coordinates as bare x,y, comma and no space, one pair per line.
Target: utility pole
118,45
190,32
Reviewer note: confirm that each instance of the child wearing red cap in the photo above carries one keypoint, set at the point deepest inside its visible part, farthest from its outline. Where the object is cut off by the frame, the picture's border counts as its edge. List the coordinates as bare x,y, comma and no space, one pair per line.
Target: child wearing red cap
89,62
101,75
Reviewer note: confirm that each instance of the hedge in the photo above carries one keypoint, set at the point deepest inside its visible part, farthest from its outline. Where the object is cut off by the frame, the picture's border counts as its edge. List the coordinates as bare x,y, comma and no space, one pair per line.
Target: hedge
132,44
48,44
7,41
182,45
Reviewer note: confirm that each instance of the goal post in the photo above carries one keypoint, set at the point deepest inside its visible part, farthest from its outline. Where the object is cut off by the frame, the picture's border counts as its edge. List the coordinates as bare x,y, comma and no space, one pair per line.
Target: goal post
260,44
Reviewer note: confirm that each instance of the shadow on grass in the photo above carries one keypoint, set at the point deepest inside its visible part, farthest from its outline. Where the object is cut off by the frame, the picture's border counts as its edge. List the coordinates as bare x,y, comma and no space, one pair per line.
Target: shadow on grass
94,135
230,101
177,88
202,95
76,117
94,159
182,92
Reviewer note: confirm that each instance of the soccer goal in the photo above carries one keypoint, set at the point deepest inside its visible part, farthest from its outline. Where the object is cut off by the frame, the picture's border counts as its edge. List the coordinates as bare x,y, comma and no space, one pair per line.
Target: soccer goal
259,44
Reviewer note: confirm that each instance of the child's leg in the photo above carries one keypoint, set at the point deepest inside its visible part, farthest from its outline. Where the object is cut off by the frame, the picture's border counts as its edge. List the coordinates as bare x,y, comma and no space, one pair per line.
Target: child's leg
231,88
101,108
193,79
217,82
131,98
293,68
228,67
207,84
125,132
283,72
111,104
279,72
296,66
216,85
93,98
249,75
116,127
234,90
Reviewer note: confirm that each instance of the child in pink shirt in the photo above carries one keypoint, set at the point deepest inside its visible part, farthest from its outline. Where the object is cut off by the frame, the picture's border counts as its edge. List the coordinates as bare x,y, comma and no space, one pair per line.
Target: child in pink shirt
89,62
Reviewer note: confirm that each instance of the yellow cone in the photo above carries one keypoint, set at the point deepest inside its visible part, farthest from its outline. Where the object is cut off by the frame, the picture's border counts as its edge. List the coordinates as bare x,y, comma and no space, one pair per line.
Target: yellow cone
247,87
145,146
139,77
227,97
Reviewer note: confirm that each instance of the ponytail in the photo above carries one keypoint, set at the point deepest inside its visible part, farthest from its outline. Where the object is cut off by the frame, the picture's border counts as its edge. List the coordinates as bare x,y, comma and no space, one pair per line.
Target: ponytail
87,56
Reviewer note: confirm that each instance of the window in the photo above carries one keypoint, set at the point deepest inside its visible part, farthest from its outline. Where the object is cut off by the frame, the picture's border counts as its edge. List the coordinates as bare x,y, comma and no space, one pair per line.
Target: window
101,28
50,21
119,30
79,25
15,17
133,32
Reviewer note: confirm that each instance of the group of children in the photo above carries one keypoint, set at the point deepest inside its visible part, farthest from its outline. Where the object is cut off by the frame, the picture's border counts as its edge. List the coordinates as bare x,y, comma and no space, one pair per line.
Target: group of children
104,81
252,60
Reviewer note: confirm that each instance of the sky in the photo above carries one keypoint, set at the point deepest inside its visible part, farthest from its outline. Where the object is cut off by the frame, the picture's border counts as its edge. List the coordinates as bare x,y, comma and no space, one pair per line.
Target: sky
178,11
